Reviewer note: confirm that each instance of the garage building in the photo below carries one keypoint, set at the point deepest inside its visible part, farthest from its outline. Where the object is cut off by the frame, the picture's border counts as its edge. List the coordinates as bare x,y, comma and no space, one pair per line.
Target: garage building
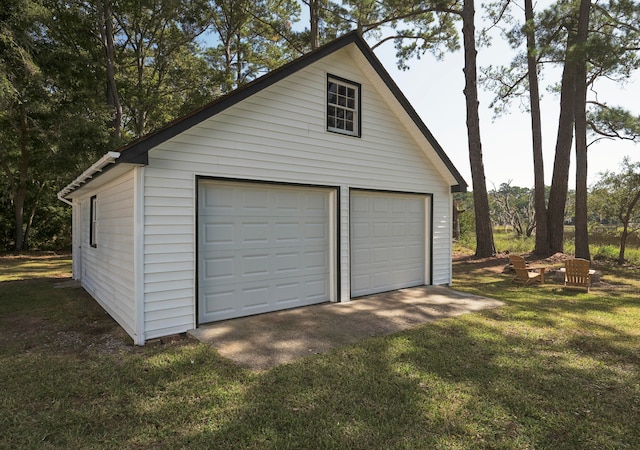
317,182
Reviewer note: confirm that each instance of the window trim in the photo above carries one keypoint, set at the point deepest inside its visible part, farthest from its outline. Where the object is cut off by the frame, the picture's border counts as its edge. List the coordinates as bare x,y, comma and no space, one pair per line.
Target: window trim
357,111
93,221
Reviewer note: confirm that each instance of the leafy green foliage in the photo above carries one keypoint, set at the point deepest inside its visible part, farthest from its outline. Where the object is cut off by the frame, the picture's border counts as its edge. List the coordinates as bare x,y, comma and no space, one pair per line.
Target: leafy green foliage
251,38
56,116
614,122
616,197
414,28
51,122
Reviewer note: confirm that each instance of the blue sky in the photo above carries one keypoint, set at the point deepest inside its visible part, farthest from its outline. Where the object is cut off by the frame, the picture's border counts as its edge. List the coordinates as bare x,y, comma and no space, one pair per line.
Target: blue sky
434,87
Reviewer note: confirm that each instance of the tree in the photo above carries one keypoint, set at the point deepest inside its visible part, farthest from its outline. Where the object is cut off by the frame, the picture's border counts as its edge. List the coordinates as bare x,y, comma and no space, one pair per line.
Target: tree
427,26
48,110
484,232
589,44
514,206
413,27
252,38
17,75
580,111
617,196
106,26
153,40
541,246
564,139
608,122
466,226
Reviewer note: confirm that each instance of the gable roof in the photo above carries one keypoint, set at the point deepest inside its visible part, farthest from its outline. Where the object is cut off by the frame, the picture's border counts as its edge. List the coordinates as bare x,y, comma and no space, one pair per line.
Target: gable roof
136,152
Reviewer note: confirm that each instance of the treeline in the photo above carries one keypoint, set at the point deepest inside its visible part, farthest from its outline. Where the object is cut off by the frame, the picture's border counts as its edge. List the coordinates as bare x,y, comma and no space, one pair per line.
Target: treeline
80,78
613,202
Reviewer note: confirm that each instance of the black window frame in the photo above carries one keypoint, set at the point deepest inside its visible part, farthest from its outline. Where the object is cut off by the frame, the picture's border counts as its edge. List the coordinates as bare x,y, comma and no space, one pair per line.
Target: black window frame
333,108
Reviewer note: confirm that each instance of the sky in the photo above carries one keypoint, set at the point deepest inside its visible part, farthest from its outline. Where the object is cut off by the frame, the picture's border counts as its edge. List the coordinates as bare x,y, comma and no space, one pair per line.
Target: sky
434,88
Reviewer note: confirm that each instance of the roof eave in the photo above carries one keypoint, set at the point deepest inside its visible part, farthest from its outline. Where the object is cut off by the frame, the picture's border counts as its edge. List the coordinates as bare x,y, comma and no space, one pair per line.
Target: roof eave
461,185
136,152
86,176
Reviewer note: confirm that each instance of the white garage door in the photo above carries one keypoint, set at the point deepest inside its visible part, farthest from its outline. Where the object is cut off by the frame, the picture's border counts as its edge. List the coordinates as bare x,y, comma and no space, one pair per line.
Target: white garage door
387,241
261,248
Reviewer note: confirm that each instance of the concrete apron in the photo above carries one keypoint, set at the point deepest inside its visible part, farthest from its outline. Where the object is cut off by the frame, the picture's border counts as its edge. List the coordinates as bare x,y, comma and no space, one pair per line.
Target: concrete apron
267,340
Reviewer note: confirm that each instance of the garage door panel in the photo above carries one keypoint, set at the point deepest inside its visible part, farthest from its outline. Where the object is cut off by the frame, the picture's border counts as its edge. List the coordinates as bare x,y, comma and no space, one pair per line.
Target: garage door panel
261,296
380,255
359,204
380,204
218,302
251,265
414,253
218,268
218,233
251,233
380,229
263,248
287,231
286,262
255,265
399,253
360,231
398,230
253,198
316,289
315,231
360,256
222,199
388,242
315,202
359,282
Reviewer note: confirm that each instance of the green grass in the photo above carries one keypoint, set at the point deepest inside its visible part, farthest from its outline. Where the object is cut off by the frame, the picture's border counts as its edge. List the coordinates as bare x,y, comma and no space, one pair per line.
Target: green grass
550,369
29,267
602,245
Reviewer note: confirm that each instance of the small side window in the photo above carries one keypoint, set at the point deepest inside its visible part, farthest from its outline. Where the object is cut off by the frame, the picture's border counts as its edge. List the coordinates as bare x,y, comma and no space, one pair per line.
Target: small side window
93,222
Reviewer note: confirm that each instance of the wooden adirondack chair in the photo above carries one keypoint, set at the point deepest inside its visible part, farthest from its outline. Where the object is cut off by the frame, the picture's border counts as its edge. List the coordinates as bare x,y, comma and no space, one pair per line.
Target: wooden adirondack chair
526,275
577,274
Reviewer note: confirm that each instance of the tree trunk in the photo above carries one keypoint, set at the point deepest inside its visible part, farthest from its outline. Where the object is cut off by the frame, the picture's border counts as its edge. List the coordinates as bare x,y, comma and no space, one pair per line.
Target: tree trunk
32,214
582,232
20,192
542,247
626,220
560,180
18,206
484,233
314,19
456,221
623,244
105,15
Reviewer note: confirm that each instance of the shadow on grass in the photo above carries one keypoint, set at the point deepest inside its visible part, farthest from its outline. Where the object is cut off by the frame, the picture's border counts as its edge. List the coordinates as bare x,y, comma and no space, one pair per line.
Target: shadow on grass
460,383
548,370
557,370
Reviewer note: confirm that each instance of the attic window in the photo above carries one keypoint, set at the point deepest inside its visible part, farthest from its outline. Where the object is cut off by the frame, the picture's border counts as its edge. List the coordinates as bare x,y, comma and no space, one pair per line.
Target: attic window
343,106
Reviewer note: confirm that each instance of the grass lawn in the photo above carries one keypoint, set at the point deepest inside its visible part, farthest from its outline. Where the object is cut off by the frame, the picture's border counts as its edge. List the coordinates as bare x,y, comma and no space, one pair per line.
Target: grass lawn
550,370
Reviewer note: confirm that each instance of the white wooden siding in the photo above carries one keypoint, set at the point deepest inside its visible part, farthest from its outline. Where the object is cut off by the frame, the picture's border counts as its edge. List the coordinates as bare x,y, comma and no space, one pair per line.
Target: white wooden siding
279,134
107,271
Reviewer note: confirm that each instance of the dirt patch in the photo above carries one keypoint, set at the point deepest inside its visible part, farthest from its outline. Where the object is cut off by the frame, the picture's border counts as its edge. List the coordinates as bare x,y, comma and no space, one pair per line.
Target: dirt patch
499,261
493,263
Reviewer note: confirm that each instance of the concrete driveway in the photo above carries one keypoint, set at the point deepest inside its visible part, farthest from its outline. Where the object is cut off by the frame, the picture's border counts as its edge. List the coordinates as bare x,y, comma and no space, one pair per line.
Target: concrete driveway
266,340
